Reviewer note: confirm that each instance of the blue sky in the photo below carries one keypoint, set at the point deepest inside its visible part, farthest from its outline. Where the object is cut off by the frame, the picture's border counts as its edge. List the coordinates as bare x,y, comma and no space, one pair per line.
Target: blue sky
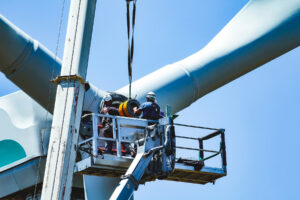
260,110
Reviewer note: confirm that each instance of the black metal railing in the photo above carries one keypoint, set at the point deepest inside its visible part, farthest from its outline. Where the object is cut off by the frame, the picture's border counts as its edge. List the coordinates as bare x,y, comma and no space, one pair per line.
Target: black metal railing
217,132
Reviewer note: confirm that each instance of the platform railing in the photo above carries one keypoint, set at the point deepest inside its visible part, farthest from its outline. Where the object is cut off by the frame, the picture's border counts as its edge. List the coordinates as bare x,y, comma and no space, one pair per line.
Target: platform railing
129,130
124,130
216,132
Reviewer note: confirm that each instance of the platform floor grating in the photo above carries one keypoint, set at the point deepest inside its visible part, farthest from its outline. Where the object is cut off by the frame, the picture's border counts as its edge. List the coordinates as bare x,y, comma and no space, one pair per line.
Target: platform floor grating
182,172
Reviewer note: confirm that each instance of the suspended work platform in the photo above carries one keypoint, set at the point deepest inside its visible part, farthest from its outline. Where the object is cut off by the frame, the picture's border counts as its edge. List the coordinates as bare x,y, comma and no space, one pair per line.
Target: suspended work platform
128,131
116,167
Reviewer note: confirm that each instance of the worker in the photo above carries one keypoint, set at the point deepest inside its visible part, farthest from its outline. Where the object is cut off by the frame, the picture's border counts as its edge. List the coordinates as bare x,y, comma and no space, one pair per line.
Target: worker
108,109
149,110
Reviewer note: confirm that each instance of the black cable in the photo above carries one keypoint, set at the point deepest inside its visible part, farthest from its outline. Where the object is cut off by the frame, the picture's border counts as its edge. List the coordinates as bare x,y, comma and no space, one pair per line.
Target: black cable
130,43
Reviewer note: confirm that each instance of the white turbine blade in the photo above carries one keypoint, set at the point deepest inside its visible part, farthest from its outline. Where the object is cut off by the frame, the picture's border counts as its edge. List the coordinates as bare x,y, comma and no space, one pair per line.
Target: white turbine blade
20,53
31,66
260,32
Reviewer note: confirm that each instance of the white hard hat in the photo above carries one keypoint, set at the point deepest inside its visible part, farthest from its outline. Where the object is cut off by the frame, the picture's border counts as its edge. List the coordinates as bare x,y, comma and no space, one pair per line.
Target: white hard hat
151,96
107,98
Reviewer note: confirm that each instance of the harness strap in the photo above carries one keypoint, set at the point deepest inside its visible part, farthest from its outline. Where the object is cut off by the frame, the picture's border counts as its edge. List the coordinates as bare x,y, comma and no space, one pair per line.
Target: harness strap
155,108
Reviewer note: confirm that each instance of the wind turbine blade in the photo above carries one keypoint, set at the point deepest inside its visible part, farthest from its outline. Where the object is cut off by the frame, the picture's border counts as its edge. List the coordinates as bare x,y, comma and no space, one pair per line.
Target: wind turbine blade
260,32
31,66
20,53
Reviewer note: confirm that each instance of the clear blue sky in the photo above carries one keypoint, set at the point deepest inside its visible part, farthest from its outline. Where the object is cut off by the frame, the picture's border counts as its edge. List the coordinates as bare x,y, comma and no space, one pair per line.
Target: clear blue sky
260,111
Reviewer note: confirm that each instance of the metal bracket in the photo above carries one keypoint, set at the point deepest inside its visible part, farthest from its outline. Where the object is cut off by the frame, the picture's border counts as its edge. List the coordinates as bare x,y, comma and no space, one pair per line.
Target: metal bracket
132,179
154,149
68,78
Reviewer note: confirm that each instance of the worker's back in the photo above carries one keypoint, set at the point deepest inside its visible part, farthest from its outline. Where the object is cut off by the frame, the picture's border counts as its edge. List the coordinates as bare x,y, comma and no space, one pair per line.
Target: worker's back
150,110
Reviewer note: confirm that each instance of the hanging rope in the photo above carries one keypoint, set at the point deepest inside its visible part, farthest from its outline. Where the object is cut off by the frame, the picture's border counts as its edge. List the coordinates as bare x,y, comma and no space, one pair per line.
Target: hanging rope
130,44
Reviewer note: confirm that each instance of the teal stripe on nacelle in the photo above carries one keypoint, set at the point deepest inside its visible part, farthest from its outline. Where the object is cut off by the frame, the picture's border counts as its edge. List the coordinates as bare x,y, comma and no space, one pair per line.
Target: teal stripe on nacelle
10,152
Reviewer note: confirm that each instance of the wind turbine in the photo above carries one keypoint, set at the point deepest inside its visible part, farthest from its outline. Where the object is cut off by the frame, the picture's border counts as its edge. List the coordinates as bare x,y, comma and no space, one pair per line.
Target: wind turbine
272,41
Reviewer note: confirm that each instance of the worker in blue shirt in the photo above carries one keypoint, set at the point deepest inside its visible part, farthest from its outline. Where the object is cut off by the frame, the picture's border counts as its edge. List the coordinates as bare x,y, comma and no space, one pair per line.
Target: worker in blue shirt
150,109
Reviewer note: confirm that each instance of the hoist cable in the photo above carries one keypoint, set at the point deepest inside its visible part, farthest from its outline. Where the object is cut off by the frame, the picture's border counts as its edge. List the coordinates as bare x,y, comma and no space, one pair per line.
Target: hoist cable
130,44
133,25
129,47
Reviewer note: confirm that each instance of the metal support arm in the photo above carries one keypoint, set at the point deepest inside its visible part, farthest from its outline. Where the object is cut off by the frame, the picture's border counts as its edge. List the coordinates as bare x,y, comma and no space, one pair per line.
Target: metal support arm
152,144
130,181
